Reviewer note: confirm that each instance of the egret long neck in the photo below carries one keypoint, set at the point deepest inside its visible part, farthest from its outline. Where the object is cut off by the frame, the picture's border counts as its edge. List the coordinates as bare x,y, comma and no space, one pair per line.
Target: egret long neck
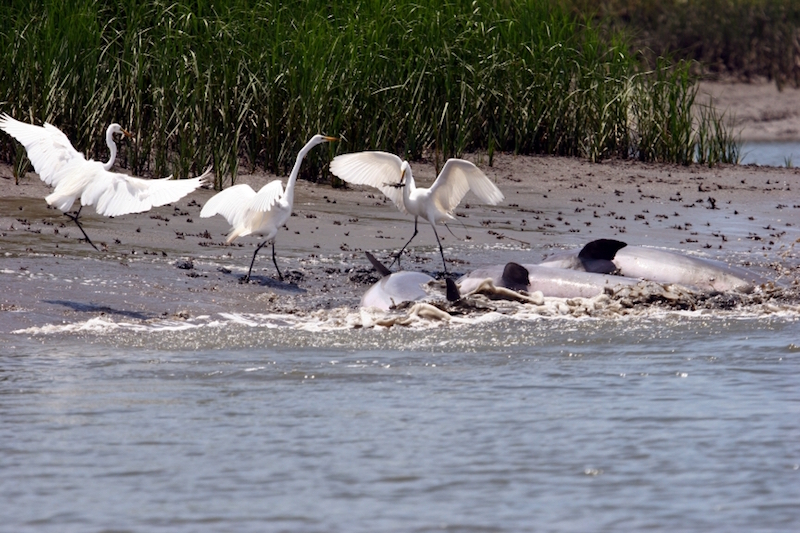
112,147
289,193
409,187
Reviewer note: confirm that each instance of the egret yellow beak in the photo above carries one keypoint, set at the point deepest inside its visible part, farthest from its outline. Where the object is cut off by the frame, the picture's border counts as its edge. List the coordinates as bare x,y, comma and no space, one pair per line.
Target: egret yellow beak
331,139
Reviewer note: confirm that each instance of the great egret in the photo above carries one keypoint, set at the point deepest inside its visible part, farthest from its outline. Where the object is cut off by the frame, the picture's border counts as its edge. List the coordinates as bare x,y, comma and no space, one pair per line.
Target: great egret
59,164
386,172
259,213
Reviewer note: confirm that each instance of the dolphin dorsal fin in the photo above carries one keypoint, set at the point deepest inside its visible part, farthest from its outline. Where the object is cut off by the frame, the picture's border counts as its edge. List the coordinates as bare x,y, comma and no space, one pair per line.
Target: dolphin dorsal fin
452,290
601,249
377,265
515,276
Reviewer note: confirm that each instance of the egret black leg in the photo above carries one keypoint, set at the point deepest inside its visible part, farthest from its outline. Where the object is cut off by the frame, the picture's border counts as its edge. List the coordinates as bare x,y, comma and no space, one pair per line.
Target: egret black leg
74,218
247,277
397,257
440,248
275,262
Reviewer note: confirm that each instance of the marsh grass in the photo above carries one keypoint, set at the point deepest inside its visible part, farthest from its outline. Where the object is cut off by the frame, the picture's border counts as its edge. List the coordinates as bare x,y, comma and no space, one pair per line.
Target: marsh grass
241,82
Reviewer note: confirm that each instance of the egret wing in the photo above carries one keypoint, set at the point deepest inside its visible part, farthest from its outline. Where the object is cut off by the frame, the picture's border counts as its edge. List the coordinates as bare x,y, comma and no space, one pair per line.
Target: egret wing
73,180
231,203
459,177
48,148
267,196
376,169
115,194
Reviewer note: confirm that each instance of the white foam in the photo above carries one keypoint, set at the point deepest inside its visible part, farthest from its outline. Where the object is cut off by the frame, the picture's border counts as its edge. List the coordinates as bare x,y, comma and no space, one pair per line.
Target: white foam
421,316
103,325
93,325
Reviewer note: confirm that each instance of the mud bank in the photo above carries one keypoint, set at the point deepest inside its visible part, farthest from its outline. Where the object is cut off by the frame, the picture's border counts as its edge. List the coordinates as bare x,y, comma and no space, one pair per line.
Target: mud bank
169,263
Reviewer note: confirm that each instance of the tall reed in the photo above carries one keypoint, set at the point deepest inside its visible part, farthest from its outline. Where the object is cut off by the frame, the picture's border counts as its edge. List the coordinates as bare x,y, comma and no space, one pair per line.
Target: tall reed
247,82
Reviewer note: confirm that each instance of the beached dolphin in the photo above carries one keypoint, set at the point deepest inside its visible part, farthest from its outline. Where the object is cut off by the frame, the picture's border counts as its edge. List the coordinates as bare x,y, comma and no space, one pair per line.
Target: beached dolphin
656,265
551,282
397,287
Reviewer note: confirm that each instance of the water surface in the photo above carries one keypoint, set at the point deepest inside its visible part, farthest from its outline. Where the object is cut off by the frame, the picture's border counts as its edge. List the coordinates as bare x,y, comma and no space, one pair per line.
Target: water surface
771,153
671,421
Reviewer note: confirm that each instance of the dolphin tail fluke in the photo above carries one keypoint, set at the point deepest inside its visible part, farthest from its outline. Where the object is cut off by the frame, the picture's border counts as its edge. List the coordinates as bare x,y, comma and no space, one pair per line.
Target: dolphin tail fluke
377,265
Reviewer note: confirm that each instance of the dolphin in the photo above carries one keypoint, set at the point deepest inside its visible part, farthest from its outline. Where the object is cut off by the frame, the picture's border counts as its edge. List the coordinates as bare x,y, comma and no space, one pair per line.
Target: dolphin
551,282
661,266
395,288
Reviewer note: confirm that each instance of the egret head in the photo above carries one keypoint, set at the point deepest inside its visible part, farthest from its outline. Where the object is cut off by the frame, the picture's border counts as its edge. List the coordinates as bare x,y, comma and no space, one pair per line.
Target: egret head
405,168
319,139
116,128
312,142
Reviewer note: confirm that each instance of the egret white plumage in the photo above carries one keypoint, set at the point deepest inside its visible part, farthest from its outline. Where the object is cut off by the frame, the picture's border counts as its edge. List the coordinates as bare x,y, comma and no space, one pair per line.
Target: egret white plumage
386,172
59,164
259,213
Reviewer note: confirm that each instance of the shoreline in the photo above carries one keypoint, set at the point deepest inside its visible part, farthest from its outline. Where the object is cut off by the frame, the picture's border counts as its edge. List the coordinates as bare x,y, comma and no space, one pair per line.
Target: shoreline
170,263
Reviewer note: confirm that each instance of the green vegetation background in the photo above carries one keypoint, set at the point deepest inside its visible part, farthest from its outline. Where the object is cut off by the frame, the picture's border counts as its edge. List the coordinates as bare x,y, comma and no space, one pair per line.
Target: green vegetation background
248,82
740,39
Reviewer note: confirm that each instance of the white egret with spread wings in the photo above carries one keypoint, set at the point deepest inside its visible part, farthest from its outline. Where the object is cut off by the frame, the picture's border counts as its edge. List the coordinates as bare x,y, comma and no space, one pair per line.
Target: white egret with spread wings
74,177
259,213
386,172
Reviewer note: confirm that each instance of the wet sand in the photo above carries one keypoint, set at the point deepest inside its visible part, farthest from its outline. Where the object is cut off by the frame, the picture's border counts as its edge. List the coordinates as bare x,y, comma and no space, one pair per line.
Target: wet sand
171,263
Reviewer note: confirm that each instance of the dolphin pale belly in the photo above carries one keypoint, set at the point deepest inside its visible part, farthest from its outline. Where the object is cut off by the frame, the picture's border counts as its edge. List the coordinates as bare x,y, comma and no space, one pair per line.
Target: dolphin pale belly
656,265
403,286
551,282
671,267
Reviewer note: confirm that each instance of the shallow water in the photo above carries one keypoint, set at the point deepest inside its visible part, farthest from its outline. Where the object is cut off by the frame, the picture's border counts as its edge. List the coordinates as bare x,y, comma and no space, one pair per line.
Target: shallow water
771,153
668,421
